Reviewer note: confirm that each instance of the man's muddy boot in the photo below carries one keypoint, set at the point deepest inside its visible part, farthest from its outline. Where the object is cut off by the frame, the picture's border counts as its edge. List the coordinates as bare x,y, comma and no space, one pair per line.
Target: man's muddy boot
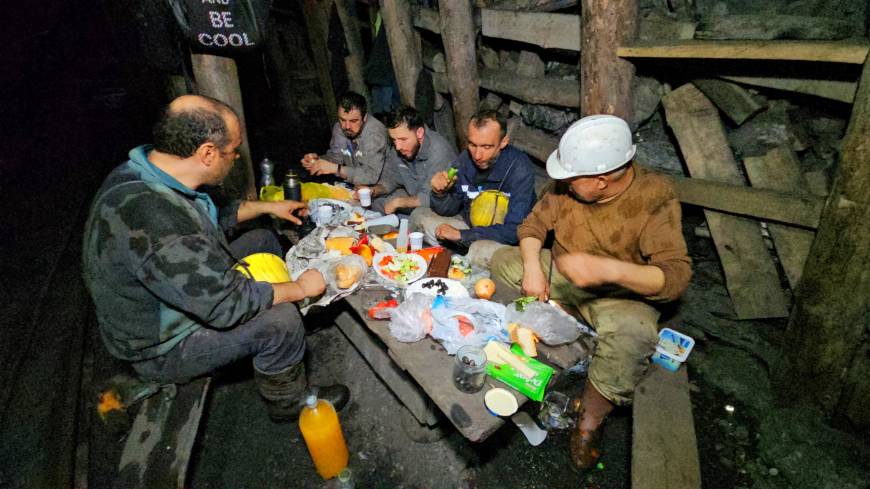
284,392
593,409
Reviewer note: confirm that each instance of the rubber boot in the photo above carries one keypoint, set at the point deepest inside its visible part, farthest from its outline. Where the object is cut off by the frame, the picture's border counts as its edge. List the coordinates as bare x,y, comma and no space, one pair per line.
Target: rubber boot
284,392
593,409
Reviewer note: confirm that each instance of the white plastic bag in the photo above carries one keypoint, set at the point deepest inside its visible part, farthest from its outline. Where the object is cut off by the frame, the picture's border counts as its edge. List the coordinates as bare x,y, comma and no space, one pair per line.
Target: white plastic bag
458,322
412,320
552,325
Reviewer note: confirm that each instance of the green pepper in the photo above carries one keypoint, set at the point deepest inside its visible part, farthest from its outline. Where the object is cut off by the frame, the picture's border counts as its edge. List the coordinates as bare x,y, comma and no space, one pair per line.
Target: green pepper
451,173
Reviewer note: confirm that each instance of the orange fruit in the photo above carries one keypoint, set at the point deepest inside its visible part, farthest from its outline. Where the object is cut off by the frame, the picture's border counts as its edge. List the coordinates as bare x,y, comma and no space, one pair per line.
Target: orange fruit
484,288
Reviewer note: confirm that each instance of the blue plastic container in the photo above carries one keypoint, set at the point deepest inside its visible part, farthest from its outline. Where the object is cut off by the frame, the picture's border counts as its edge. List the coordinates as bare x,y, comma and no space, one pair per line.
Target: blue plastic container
673,349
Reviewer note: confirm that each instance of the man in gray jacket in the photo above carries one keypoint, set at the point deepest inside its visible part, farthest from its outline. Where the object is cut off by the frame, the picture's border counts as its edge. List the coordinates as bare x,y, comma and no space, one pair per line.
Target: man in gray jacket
358,146
420,152
161,271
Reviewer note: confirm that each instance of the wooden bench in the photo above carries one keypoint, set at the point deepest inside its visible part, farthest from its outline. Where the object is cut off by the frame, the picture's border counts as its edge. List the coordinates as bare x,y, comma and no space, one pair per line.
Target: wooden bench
158,448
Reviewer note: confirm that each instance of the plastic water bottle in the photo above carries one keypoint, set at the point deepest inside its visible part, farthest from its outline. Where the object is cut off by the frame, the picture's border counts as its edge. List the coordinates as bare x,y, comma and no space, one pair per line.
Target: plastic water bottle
402,238
322,433
266,170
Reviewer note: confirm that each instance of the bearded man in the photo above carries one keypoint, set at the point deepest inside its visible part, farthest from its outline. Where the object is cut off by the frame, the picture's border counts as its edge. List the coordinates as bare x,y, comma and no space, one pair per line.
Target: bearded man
419,153
357,148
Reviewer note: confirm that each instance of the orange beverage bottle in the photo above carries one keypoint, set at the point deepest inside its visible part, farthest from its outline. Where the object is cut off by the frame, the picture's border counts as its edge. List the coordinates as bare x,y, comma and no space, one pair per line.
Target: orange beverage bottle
322,433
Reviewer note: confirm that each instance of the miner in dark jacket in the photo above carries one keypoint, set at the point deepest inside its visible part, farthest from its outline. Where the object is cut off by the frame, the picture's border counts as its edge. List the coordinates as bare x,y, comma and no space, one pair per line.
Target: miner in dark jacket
161,272
491,193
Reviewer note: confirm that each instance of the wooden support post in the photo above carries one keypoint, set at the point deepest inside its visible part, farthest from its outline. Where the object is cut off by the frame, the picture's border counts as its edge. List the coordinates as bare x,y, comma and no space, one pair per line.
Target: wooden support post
458,35
355,59
605,79
825,346
317,22
217,77
751,277
398,21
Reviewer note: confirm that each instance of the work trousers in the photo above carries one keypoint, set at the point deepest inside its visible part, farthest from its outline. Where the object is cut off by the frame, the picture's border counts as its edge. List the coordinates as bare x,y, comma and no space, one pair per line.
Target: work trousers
425,220
274,337
627,328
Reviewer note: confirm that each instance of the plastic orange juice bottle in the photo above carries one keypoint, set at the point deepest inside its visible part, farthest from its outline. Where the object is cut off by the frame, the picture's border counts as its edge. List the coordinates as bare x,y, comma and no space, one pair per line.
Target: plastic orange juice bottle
322,433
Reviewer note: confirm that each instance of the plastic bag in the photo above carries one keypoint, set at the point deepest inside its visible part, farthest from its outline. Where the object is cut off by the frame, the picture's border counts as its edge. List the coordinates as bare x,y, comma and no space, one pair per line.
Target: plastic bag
552,325
412,320
458,322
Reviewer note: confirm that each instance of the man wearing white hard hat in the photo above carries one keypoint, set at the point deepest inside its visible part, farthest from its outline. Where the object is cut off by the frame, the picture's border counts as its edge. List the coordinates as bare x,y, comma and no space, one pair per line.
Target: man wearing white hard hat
618,252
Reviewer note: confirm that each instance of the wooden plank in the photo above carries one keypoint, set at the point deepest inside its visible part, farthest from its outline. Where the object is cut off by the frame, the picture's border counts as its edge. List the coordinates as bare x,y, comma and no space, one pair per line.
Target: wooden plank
664,452
779,169
751,276
431,367
372,350
828,327
549,91
822,51
788,208
547,30
158,448
734,101
839,90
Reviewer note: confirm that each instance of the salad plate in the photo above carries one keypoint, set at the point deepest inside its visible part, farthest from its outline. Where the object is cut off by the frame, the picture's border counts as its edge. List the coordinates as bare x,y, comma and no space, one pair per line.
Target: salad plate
399,268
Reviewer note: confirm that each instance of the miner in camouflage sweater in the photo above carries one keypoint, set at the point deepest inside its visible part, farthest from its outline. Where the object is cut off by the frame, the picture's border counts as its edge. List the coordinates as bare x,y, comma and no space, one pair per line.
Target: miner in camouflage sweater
160,269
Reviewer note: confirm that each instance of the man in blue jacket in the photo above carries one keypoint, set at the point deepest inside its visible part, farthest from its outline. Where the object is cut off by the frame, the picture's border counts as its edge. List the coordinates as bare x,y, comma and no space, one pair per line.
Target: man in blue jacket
490,163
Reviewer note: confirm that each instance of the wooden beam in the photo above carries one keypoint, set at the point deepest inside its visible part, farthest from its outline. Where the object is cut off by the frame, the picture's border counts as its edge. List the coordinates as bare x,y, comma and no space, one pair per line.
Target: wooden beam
770,205
734,101
549,91
460,51
355,60
217,77
403,47
664,451
605,79
825,341
822,51
779,169
317,23
839,90
561,31
751,276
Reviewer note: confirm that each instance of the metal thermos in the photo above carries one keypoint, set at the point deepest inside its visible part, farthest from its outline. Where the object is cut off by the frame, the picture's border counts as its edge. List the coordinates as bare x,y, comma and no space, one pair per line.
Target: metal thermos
292,187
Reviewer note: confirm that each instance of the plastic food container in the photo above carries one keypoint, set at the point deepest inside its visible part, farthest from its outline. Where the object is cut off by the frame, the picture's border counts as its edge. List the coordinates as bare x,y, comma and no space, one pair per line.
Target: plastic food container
673,349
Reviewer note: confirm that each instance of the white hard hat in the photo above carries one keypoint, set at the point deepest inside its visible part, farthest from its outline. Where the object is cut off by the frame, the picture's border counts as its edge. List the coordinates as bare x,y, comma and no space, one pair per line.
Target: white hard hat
594,145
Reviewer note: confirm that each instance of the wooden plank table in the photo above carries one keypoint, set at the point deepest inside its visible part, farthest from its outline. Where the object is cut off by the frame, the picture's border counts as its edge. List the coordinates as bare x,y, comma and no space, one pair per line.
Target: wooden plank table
423,370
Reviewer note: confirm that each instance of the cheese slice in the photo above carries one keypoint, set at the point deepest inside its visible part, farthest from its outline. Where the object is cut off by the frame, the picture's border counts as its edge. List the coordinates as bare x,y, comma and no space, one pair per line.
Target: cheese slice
499,354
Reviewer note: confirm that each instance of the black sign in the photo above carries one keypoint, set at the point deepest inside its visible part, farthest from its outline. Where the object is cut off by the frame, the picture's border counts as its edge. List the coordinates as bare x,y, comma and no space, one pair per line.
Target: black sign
222,26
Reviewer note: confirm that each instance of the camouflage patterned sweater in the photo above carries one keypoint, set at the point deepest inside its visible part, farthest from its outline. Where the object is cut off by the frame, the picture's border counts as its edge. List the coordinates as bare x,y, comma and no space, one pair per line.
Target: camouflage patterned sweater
157,263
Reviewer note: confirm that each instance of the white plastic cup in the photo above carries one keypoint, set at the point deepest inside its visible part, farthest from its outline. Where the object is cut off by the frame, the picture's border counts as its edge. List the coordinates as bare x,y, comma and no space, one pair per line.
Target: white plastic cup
365,196
416,239
324,215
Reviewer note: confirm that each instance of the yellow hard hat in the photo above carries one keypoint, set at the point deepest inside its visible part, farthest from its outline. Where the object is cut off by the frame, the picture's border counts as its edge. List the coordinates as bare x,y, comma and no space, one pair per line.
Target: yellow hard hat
488,208
264,267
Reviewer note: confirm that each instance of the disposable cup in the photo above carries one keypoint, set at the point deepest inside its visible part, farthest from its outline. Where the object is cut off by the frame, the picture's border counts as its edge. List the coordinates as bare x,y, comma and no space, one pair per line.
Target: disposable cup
324,215
416,239
365,196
